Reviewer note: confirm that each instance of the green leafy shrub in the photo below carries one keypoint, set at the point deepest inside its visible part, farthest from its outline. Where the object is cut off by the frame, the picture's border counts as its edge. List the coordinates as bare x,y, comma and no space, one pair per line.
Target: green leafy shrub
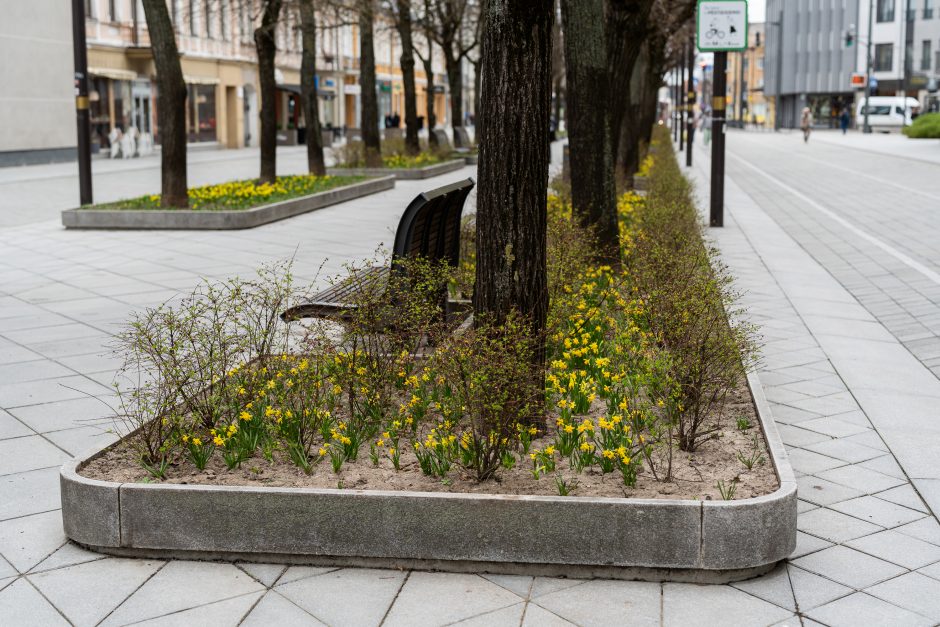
926,126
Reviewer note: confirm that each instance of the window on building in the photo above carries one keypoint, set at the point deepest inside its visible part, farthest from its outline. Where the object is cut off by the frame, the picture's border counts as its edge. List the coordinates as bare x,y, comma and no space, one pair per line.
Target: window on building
192,18
884,57
90,9
206,15
928,9
223,21
200,113
885,12
112,11
925,54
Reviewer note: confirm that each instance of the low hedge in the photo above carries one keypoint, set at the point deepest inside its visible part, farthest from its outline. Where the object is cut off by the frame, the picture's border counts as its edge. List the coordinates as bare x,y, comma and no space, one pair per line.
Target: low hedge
926,126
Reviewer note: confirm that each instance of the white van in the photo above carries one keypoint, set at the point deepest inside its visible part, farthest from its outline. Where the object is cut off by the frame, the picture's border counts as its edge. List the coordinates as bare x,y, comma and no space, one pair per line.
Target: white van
887,113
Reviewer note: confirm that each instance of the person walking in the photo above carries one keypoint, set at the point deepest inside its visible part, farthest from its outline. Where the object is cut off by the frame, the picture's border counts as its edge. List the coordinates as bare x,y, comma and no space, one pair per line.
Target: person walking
806,123
844,120
706,120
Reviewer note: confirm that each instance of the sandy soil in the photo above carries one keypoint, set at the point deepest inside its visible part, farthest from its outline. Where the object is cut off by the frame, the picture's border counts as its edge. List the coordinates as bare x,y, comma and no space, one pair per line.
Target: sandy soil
696,474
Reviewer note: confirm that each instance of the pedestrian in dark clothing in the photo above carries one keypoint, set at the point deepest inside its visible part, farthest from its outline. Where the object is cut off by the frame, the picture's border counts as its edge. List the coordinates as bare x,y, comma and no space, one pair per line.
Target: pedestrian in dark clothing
844,120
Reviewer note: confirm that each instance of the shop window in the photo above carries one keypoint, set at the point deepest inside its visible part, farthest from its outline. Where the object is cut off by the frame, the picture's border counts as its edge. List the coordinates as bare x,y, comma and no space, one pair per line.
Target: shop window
200,113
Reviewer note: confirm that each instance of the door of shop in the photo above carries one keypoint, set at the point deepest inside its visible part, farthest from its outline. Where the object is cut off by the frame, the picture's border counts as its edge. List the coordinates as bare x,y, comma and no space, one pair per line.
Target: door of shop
140,112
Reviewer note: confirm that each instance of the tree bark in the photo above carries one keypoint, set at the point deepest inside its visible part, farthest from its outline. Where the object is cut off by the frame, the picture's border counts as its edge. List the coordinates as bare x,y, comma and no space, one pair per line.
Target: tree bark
370,103
266,47
308,88
513,169
593,195
412,146
627,26
171,105
455,83
429,101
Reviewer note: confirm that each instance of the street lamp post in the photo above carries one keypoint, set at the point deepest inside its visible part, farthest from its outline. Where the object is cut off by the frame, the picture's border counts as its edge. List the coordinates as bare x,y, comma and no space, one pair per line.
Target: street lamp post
871,10
82,116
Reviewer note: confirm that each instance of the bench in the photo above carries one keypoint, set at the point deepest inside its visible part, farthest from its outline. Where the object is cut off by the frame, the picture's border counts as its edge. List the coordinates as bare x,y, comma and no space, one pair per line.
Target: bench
429,228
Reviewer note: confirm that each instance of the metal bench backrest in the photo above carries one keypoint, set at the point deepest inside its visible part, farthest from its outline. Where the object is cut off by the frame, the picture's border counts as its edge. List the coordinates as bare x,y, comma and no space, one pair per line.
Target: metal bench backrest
430,226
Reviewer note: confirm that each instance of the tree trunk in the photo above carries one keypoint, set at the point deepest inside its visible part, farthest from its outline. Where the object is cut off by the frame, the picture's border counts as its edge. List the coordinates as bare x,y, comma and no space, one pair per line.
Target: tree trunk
266,47
455,82
592,175
477,67
370,103
430,114
631,128
412,146
308,88
171,105
513,169
627,26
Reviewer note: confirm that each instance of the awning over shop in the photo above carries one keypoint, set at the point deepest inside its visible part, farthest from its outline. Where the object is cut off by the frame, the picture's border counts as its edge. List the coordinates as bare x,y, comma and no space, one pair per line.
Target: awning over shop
201,80
115,73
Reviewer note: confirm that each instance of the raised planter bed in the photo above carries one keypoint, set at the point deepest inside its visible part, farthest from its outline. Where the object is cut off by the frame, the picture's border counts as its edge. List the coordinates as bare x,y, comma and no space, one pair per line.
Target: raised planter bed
185,219
679,540
403,174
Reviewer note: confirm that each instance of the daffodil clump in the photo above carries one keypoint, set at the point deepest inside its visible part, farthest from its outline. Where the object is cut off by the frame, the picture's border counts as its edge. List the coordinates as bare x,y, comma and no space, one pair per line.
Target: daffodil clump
246,194
419,160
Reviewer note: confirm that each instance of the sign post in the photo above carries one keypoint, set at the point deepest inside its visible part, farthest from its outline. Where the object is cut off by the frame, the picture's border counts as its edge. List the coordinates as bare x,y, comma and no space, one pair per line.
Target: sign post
721,27
82,115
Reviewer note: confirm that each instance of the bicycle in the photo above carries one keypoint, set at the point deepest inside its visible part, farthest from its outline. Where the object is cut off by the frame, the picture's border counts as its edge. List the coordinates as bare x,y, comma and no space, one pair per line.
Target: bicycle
714,32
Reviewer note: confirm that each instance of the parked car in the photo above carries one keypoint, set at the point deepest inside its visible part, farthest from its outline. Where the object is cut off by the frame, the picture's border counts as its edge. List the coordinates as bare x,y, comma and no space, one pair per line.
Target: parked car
887,113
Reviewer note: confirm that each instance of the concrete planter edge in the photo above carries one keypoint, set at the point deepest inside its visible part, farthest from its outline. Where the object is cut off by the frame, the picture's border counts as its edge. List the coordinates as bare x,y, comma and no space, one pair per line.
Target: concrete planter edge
220,220
680,540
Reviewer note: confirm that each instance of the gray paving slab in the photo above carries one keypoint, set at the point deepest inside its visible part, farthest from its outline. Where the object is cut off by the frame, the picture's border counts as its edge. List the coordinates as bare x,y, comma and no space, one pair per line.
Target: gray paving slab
849,567
180,586
31,492
912,591
605,603
861,608
225,613
87,593
347,596
467,596
688,604
29,453
898,548
274,609
21,605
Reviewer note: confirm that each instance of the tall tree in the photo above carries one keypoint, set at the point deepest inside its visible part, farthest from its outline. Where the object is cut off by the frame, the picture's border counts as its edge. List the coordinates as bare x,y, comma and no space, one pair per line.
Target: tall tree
428,62
308,87
513,167
453,24
403,23
171,104
627,27
592,171
370,102
266,47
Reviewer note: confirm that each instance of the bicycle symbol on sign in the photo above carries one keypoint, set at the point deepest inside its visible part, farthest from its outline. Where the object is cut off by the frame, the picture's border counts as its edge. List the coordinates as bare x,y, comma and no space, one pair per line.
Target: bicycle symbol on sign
713,32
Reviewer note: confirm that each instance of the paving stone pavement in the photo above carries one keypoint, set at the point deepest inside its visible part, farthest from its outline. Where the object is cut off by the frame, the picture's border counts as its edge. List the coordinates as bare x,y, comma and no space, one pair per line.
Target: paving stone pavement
868,549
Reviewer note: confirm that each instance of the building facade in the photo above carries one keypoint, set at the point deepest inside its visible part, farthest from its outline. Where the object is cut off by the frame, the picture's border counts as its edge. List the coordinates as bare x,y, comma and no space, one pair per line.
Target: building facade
219,66
807,63
746,103
37,100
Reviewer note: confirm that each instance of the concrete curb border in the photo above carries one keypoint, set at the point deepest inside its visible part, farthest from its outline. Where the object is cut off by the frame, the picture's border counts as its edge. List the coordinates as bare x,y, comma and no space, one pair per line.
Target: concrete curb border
220,220
682,540
403,174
